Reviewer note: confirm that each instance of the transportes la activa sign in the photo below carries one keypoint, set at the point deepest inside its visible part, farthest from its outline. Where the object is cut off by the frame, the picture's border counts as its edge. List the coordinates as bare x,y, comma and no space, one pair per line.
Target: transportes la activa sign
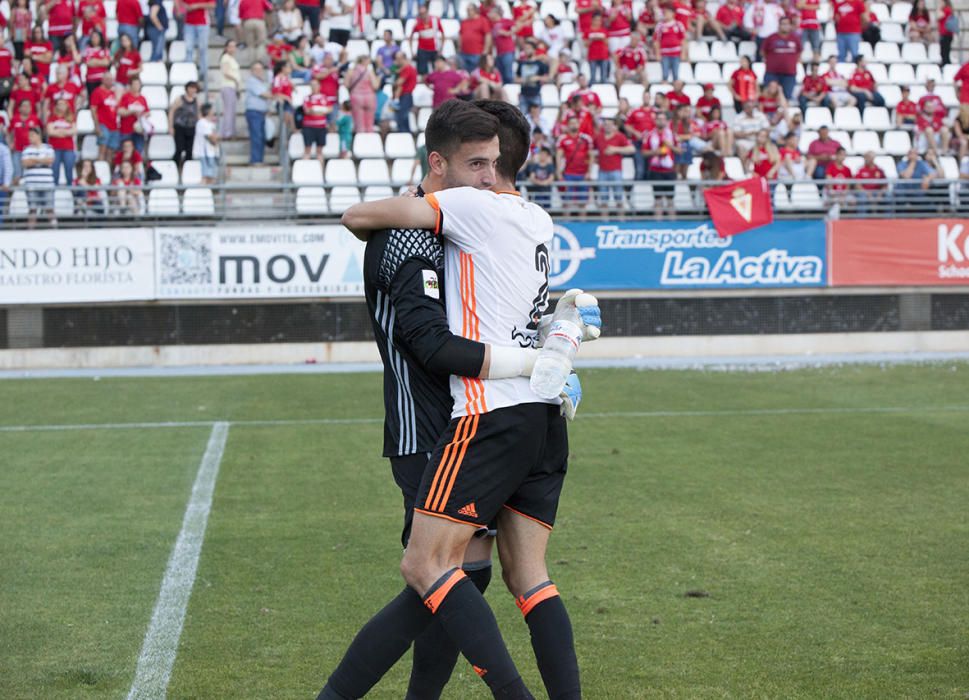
687,255
928,252
76,265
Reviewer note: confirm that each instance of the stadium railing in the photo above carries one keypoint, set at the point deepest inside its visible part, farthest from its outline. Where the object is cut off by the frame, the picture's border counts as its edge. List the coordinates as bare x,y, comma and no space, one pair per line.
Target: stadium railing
586,199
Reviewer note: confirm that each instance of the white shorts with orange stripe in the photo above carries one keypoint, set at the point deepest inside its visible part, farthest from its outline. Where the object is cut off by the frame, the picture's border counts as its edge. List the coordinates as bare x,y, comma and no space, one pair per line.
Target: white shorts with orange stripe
514,457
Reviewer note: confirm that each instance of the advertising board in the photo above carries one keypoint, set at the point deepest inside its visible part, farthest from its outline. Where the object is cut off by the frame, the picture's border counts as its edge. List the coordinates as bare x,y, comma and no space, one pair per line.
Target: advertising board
687,255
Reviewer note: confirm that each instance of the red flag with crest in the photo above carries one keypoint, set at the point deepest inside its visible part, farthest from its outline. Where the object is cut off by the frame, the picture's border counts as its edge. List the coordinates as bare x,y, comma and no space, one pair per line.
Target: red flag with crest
739,206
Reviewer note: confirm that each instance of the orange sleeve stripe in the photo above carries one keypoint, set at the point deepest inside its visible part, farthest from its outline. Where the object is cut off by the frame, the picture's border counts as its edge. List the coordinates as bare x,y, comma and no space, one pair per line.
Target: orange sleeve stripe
436,205
433,601
526,605
528,517
445,460
460,459
476,326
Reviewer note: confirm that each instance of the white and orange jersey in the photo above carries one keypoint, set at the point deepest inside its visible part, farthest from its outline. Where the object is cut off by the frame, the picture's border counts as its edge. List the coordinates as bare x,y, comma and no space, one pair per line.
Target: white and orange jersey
496,262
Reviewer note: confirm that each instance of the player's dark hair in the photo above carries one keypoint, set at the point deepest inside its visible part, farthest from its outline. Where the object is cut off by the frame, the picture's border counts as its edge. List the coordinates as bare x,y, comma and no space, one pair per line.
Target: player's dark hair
457,122
514,136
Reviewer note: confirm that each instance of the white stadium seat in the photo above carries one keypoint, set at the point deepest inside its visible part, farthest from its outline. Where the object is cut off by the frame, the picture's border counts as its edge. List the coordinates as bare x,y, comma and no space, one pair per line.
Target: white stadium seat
168,171
163,201
368,146
341,172
153,74
373,171
805,195
342,198
848,118
400,171
311,200
816,117
400,145
876,118
198,201
307,172
161,147
182,73
85,122
192,172
156,96
864,141
897,143
373,193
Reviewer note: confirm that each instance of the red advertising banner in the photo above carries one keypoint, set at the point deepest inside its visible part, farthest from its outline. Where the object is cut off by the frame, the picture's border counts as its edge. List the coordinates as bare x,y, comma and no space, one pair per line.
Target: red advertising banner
928,252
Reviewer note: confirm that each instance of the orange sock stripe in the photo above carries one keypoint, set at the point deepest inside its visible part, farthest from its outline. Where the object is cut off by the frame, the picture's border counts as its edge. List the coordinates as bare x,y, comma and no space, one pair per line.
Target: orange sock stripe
526,605
457,454
445,460
433,601
457,463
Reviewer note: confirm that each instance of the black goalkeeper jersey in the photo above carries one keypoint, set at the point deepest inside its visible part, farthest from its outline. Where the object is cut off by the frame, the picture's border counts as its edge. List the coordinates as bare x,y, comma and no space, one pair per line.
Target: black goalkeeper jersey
403,274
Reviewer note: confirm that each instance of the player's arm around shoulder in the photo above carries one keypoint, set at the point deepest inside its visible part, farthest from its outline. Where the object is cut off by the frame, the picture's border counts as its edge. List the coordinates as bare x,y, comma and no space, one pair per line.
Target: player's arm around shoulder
395,212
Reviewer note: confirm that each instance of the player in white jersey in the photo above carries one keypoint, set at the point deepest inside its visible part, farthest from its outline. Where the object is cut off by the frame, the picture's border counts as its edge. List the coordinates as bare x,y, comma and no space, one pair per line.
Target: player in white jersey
505,451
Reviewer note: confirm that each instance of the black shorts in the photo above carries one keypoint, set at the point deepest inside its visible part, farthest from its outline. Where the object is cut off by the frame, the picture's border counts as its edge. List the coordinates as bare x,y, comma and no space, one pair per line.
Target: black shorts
408,472
313,135
513,457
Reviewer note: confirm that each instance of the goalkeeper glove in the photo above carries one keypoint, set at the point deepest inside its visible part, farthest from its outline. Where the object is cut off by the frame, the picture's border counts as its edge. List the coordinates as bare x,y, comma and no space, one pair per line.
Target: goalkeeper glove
589,313
571,396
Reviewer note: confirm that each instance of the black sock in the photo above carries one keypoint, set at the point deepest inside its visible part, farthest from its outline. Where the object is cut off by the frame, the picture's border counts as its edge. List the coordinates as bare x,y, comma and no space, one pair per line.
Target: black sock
551,632
378,646
469,621
434,652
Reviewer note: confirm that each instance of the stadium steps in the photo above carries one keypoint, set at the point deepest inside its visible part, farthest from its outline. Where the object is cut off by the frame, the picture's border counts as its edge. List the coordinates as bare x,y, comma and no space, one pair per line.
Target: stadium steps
236,153
254,174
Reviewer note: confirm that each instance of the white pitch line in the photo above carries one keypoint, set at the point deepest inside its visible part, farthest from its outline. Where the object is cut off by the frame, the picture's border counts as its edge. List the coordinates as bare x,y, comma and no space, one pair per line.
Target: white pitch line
725,413
161,640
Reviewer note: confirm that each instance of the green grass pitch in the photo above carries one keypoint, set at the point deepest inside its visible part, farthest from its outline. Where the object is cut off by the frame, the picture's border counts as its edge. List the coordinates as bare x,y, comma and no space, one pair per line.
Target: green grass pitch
820,517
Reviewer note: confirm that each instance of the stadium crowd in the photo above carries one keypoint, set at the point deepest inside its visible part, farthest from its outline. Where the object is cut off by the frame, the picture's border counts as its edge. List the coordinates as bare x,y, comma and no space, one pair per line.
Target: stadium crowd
614,92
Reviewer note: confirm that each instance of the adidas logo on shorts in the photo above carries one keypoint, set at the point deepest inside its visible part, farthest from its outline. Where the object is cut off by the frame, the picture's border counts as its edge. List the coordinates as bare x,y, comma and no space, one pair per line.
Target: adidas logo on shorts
468,510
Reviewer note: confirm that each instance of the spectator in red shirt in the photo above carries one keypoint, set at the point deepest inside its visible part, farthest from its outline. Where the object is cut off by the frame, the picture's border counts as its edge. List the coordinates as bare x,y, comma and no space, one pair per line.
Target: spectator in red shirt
474,39
97,59
743,84
20,125
196,32
131,109
61,23
837,173
920,23
127,60
428,35
40,51
814,90
810,25
316,112
597,50
906,111
404,85
640,122
22,92
129,16
705,24
503,39
443,81
820,153
104,102
792,160
946,33
838,95
677,96
524,14
93,16
706,102
612,145
574,155
660,149
63,89
252,14
870,193
61,130
862,86
486,80
849,15
763,160
716,133
773,103
731,19
669,38
631,62
128,195
930,124
782,51
586,9
87,195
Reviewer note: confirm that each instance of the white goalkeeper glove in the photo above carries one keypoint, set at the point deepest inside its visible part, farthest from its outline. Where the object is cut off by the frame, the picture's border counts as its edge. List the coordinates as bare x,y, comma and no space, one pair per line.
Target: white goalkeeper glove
587,306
